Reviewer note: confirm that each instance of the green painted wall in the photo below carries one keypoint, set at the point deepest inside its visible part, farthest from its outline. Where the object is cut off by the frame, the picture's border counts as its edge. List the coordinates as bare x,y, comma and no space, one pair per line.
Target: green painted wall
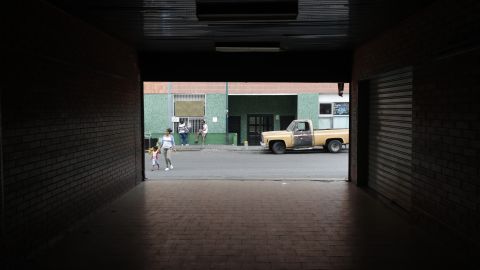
212,138
275,105
155,113
308,108
215,107
157,120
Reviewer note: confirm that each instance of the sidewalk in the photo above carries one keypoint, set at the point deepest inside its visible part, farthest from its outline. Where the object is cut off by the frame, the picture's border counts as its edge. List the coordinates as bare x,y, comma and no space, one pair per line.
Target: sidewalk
197,147
221,147
214,147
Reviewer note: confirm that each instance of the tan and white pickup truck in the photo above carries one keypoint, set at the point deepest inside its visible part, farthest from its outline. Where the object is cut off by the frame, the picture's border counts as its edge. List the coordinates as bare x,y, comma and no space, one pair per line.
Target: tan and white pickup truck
300,135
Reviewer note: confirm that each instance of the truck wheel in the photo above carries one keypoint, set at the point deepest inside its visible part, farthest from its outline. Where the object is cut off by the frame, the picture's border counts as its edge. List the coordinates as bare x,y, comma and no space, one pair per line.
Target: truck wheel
334,146
278,148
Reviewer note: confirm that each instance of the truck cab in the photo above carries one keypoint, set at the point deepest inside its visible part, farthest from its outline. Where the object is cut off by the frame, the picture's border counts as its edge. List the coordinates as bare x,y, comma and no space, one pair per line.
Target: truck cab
302,133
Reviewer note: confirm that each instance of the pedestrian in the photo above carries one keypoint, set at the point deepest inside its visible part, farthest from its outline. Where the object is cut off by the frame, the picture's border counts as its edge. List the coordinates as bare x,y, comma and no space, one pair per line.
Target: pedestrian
168,145
203,132
154,158
183,132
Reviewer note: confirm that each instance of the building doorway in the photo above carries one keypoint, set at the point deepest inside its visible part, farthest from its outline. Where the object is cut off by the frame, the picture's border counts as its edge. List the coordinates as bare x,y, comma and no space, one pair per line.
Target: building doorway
256,124
234,126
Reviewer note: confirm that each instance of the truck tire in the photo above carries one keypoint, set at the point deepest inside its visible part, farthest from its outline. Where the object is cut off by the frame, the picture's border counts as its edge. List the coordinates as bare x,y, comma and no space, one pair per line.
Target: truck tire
278,147
334,146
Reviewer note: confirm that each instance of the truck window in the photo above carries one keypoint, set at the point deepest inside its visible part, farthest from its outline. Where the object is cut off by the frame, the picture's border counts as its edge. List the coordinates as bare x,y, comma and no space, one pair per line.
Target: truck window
291,126
302,126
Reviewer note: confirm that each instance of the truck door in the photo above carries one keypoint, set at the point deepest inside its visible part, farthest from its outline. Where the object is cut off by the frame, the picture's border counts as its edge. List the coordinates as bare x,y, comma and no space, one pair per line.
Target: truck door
302,135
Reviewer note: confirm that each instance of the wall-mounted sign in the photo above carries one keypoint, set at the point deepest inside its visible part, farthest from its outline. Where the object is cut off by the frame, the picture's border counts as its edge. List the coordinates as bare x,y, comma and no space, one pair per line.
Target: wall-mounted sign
340,108
175,119
214,119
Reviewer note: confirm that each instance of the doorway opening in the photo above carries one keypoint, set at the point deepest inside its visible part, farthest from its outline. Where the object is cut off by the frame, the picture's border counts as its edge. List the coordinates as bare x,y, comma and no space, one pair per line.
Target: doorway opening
235,116
258,123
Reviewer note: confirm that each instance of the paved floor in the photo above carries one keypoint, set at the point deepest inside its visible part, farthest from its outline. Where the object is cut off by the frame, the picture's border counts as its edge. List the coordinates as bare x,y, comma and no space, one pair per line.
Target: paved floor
225,164
248,225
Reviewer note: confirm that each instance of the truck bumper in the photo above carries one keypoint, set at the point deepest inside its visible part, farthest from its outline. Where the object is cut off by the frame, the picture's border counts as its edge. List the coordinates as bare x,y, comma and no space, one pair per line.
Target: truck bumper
262,144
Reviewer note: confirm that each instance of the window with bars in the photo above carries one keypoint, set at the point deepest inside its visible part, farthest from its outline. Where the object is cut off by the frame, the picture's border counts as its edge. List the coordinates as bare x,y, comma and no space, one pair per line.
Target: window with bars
189,105
189,108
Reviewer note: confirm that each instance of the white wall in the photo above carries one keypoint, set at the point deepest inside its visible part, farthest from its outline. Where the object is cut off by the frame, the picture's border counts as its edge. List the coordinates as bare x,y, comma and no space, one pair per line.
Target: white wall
323,98
332,121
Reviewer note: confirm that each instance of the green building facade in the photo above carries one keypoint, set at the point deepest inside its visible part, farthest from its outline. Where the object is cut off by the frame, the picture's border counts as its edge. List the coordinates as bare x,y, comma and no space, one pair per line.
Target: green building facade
308,108
248,115
155,114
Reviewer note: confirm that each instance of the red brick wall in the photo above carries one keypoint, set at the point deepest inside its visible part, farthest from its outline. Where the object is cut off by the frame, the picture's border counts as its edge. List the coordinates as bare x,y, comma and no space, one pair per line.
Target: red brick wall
71,124
441,44
241,88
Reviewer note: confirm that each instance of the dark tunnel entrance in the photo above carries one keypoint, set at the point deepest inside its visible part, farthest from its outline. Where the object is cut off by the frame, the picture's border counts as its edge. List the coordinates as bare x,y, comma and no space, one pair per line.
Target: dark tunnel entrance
72,123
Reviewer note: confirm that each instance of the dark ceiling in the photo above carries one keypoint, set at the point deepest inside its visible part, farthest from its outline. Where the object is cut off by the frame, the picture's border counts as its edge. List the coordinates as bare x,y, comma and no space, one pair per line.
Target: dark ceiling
172,25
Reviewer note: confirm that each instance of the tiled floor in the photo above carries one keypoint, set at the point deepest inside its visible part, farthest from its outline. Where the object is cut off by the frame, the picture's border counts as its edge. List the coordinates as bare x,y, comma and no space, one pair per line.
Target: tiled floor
248,225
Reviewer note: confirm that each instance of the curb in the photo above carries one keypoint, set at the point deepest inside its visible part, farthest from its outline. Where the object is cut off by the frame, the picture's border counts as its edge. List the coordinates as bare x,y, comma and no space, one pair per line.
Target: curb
217,148
241,149
279,179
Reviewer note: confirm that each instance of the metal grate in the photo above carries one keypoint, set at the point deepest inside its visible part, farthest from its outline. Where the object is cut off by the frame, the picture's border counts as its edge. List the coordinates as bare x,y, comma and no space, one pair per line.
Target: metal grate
189,97
390,136
193,123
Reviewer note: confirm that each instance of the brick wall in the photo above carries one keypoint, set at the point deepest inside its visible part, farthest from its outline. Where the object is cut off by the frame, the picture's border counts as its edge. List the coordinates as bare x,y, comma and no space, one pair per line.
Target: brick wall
242,88
441,44
71,122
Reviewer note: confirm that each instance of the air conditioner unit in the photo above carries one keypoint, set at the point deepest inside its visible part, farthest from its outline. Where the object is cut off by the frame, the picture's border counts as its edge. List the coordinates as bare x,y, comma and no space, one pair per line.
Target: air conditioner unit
246,10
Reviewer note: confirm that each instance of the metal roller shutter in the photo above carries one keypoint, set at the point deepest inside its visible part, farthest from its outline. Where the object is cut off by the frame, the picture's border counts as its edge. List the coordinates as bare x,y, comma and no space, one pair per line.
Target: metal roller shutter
390,136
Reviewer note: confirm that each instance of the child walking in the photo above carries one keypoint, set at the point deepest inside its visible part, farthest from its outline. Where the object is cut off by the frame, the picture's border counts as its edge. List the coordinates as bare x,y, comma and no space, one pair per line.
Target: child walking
168,144
155,153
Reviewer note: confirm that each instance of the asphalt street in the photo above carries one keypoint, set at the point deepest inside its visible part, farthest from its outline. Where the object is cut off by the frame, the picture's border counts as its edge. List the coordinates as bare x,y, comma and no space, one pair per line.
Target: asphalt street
251,165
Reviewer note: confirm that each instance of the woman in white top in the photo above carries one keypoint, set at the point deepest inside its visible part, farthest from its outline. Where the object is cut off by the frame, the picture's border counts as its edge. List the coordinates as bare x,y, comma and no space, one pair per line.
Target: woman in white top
168,144
183,132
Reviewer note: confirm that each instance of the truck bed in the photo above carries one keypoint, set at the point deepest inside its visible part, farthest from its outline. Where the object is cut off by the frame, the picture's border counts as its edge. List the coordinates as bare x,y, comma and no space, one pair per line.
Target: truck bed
321,135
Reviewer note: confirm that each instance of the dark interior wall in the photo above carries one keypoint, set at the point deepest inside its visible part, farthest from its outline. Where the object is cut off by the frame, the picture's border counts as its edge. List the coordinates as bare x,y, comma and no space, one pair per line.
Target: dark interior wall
71,122
441,43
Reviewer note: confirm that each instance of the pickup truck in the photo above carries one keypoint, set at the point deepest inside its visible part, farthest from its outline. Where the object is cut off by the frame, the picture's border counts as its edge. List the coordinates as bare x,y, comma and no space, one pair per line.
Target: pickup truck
300,135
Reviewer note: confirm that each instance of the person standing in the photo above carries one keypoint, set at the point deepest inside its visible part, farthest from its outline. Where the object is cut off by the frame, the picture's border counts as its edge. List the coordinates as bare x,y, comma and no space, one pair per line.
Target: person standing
203,132
168,145
183,132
